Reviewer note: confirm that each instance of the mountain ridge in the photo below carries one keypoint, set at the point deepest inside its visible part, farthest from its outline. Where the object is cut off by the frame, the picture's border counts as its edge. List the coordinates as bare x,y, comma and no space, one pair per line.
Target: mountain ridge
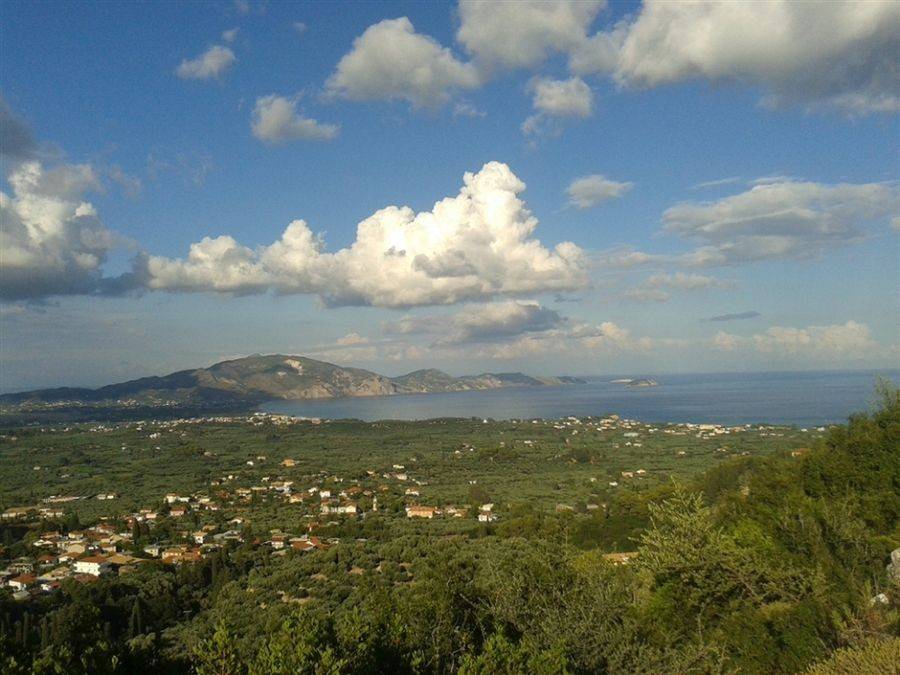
258,378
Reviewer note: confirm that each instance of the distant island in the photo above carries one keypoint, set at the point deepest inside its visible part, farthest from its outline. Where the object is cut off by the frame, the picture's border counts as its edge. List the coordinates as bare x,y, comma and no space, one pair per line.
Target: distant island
242,383
642,382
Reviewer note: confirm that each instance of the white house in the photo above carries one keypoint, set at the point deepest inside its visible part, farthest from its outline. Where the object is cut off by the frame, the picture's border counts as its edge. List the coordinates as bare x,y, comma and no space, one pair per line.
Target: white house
153,549
22,582
486,514
95,565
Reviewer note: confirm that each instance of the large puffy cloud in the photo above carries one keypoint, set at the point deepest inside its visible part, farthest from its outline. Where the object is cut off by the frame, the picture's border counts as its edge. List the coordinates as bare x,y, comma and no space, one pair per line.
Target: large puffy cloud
842,53
390,61
212,63
600,52
780,220
474,246
522,34
51,242
589,191
276,120
838,340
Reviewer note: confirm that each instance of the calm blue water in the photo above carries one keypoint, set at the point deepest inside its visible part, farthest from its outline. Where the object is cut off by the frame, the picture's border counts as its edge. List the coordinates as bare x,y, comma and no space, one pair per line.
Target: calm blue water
802,399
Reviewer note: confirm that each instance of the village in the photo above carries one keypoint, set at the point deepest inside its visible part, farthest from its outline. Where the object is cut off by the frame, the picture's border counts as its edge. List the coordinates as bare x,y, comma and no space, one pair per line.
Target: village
184,527
116,545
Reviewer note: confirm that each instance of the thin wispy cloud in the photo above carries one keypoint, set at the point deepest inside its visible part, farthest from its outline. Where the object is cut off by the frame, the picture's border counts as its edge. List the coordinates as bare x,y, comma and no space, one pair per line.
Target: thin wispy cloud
739,316
718,183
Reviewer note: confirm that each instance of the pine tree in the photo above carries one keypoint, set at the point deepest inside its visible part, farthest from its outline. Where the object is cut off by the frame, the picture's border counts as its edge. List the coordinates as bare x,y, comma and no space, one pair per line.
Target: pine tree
217,655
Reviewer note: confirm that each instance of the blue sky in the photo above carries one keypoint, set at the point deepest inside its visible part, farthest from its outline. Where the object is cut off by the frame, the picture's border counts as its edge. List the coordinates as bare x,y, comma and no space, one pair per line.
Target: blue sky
329,112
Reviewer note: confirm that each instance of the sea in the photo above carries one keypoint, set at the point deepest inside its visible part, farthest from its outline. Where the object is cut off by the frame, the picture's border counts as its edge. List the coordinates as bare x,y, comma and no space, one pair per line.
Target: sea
802,399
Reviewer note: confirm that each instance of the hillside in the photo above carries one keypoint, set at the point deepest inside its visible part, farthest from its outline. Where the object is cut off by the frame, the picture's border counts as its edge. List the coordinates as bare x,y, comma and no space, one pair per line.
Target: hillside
257,378
274,546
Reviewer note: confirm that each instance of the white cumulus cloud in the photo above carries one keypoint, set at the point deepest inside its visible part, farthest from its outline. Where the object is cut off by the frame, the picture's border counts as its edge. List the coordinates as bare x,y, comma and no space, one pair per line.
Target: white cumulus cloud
522,34
778,218
787,219
562,98
556,99
276,120
51,242
474,246
841,53
589,191
214,62
391,61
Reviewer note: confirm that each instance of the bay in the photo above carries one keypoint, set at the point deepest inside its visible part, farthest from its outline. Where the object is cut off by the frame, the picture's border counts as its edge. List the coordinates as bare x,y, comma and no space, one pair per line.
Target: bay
791,398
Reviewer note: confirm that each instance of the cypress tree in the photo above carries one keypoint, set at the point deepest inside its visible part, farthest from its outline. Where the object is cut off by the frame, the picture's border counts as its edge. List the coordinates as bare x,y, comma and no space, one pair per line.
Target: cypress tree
135,626
214,571
45,633
26,628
